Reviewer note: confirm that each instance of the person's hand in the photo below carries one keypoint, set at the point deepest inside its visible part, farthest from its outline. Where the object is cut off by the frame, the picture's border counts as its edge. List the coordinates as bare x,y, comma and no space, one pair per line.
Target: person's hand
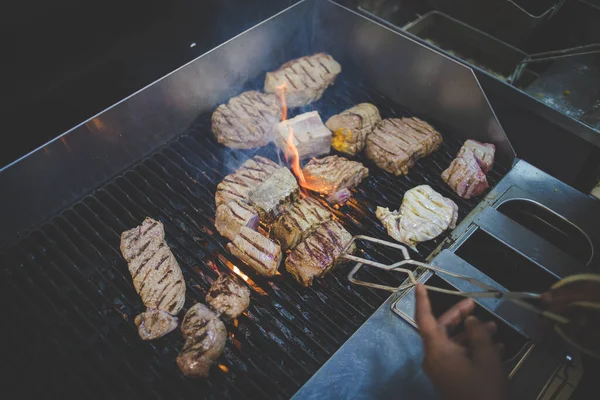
467,367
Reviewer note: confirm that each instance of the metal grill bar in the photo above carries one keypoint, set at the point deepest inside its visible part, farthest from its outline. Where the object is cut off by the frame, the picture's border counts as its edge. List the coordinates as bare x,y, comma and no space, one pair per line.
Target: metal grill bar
75,293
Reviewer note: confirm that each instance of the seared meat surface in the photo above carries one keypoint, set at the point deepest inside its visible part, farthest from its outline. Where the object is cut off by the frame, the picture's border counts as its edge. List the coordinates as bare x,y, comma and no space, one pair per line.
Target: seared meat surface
247,120
297,221
156,274
311,136
464,175
273,195
351,127
228,297
232,216
318,253
424,215
334,176
483,152
205,336
304,79
153,324
259,252
247,177
396,144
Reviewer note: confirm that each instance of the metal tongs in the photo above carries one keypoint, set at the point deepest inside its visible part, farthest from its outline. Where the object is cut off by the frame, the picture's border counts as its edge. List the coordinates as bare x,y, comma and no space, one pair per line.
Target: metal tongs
489,291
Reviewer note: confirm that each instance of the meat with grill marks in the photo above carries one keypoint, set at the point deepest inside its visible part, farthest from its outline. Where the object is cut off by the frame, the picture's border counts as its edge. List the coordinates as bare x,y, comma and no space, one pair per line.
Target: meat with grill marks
351,127
153,324
298,221
247,120
424,215
304,79
396,144
273,195
464,175
232,216
256,250
157,277
247,177
484,153
228,297
205,336
334,176
318,253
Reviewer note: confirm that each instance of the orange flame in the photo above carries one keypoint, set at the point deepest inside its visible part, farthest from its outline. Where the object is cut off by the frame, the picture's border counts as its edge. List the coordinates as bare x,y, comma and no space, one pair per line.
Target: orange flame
223,368
240,273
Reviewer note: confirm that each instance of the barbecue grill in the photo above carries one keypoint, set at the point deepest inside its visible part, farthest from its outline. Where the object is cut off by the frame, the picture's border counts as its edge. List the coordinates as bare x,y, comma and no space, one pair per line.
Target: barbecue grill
70,327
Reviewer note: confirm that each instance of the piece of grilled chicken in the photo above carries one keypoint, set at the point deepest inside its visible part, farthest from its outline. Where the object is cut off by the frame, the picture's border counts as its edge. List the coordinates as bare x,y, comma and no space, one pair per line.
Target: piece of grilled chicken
205,336
298,221
424,215
228,297
318,253
232,216
157,277
304,79
334,176
351,127
256,250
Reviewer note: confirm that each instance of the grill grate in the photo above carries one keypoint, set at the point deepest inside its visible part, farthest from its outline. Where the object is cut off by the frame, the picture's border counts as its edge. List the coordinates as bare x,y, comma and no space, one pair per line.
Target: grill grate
71,326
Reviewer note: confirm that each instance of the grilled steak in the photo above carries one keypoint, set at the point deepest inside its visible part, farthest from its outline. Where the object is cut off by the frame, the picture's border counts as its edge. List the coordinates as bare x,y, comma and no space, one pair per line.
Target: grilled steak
334,176
424,215
247,120
259,252
273,195
318,253
311,137
484,153
236,186
232,216
228,297
156,274
297,221
304,79
205,336
153,324
351,127
396,144
465,176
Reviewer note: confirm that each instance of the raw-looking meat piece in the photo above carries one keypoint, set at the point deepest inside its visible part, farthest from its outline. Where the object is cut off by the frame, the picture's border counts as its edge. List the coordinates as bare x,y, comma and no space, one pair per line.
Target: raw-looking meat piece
251,173
334,176
484,153
153,324
297,221
396,144
259,252
351,127
205,336
304,79
311,136
465,176
228,297
157,277
424,215
318,253
247,120
232,216
273,195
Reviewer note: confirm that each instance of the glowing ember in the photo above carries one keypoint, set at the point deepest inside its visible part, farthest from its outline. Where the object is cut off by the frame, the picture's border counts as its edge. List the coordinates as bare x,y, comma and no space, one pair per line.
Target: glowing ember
223,368
235,323
240,273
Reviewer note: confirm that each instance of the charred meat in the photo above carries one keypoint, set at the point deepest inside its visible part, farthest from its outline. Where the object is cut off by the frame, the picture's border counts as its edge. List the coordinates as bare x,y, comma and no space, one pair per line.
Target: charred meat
351,127
464,175
334,176
232,216
303,79
483,152
247,177
247,120
310,136
424,215
318,253
153,324
228,297
205,336
256,250
273,195
396,144
297,221
156,274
